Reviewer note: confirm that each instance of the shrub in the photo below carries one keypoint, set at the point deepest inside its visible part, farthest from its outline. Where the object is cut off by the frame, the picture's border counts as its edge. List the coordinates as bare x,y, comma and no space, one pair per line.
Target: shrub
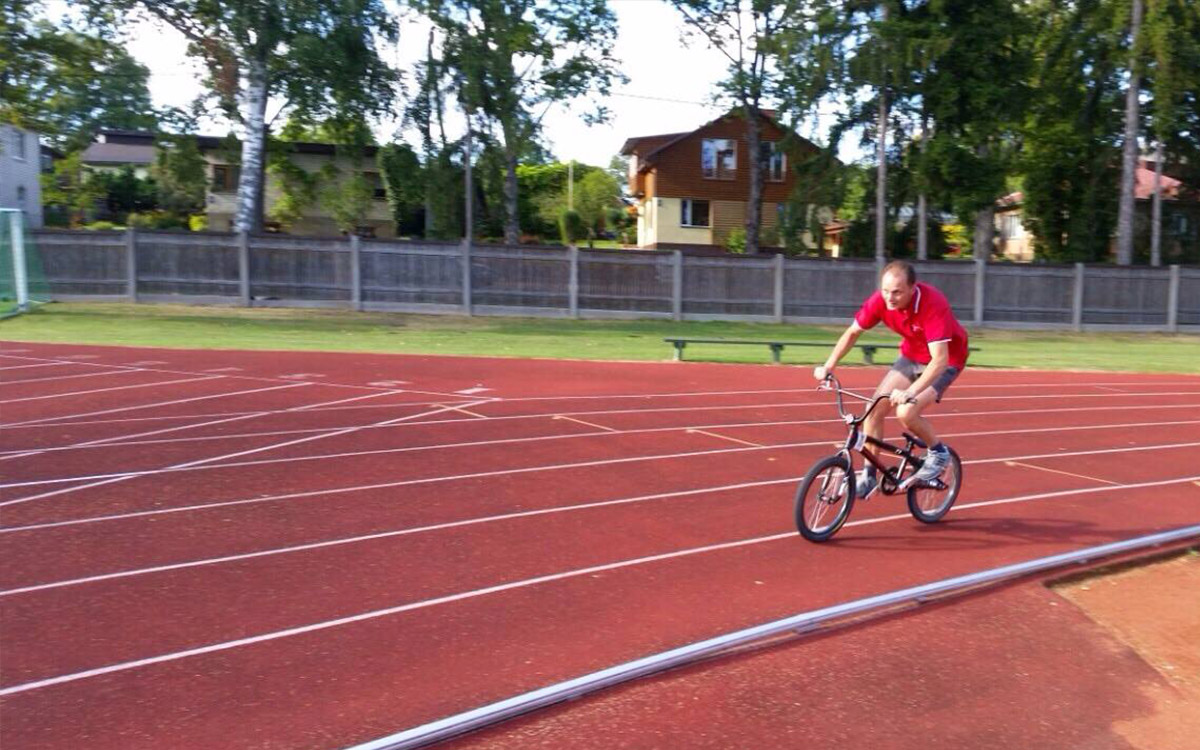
572,226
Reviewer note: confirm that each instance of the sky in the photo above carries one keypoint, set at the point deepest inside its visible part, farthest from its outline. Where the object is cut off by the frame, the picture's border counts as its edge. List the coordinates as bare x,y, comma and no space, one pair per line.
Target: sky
670,89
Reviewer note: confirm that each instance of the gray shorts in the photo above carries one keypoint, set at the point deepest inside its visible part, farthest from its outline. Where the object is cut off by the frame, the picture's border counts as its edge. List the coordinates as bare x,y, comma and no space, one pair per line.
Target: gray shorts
912,371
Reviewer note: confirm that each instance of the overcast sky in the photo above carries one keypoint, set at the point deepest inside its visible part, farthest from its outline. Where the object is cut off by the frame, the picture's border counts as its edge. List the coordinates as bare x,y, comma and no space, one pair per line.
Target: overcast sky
670,86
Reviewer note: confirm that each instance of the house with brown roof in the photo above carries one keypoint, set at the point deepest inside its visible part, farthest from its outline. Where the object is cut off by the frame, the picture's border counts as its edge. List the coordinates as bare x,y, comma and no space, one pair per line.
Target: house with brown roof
1180,218
691,189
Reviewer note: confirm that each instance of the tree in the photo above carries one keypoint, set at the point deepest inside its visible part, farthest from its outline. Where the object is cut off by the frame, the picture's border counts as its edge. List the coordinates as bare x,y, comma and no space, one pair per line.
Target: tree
513,59
744,32
596,193
1129,150
178,174
319,57
66,84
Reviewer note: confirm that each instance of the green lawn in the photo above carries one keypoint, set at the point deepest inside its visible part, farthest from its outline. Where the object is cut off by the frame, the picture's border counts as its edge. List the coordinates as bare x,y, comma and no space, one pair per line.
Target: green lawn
332,330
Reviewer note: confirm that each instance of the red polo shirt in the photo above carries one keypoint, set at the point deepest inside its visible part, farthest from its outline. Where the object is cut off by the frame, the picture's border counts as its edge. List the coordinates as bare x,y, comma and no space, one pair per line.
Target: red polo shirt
927,318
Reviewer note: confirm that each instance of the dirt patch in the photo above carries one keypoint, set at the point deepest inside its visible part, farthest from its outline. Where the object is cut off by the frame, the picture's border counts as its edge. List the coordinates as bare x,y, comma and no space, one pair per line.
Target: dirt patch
1154,609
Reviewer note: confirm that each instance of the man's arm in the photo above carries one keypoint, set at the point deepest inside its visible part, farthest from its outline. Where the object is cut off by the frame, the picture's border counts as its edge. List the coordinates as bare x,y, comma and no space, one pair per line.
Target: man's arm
840,349
939,359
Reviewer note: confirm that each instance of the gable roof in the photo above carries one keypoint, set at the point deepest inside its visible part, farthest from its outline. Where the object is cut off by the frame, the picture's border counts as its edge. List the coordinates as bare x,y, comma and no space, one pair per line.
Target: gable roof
653,145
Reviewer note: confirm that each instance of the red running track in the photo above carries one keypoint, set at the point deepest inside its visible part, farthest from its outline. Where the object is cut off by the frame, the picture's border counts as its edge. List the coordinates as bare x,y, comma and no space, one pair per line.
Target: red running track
312,550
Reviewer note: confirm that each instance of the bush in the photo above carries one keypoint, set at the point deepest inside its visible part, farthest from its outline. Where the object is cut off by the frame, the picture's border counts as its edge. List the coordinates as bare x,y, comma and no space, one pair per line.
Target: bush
101,226
156,220
198,222
735,241
572,227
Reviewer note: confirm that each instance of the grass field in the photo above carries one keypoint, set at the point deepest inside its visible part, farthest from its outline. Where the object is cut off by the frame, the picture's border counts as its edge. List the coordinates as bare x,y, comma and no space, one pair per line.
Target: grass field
333,330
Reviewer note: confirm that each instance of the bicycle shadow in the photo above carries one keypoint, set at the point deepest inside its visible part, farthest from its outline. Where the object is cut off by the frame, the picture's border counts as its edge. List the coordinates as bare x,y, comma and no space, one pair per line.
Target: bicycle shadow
983,533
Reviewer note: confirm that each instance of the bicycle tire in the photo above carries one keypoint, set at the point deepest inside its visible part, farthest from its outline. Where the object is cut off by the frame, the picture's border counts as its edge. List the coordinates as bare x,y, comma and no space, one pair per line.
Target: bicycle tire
811,508
929,505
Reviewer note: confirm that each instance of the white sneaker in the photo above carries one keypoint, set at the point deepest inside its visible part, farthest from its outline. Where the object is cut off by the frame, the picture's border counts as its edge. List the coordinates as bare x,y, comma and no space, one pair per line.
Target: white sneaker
865,484
935,463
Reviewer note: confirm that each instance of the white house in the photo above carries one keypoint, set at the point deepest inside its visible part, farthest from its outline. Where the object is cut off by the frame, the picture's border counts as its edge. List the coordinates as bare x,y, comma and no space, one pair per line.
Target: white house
20,170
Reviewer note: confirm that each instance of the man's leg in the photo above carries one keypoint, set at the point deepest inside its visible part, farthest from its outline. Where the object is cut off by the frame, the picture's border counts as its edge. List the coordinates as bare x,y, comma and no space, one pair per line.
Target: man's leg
873,426
910,416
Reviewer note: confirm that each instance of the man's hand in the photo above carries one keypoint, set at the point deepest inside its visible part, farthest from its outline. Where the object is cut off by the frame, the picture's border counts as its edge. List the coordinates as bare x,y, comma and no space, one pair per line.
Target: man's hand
901,397
821,372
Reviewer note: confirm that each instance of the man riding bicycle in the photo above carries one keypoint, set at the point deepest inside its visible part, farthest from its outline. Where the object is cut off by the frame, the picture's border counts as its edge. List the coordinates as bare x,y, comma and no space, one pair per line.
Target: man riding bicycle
933,353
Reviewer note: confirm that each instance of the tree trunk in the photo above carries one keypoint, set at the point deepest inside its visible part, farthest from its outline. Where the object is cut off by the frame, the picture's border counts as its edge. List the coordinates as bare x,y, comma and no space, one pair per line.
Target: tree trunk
881,155
754,160
922,229
249,209
985,233
512,227
1156,214
1129,156
427,136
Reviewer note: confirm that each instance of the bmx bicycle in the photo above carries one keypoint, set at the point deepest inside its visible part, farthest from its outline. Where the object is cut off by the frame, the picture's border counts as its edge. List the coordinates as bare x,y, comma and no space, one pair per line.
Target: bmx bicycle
827,493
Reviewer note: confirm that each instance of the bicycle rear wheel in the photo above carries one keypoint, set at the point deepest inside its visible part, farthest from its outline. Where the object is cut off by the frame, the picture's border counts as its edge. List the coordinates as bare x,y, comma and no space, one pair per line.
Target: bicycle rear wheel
824,498
928,503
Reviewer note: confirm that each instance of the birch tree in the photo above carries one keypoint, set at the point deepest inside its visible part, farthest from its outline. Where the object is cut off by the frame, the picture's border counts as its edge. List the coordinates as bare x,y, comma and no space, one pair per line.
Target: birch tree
512,60
318,57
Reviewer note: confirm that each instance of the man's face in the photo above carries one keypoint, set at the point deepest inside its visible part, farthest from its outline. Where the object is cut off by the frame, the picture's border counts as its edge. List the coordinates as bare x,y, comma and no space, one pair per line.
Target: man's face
897,292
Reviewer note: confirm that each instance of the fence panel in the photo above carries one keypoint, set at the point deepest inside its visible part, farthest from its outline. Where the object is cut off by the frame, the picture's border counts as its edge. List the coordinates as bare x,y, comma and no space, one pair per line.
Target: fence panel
1125,296
956,280
91,263
200,265
531,277
304,269
1028,294
826,288
1189,297
401,273
728,286
625,281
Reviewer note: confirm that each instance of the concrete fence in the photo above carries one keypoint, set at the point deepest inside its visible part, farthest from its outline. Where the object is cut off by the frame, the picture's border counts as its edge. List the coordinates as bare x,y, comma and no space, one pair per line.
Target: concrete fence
432,277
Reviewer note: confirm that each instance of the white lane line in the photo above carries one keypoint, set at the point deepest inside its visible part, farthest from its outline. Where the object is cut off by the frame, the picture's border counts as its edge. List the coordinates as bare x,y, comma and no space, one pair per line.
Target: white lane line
514,585
471,522
724,437
106,390
121,439
191,372
767,405
504,441
590,424
1057,471
303,376
461,409
526,470
42,364
223,369
473,391
143,363
204,461
69,377
79,356
58,421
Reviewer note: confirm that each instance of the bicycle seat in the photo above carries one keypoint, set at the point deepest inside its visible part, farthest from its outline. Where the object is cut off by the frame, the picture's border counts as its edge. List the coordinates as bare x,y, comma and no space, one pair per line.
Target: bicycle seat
915,440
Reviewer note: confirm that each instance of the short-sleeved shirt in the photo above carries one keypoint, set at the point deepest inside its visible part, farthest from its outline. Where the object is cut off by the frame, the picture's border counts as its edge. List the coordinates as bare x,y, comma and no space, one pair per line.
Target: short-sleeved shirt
928,318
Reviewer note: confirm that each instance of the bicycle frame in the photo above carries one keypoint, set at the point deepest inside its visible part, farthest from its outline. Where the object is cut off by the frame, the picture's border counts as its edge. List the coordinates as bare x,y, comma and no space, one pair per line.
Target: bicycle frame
857,440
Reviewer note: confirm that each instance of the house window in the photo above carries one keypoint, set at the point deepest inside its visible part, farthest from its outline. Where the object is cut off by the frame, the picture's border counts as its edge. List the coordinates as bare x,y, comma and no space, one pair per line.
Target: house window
375,180
225,178
18,143
1010,227
694,213
718,158
774,161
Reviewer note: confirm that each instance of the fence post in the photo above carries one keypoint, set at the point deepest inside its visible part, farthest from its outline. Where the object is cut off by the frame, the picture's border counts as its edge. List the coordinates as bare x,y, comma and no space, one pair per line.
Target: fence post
573,281
779,287
356,295
1173,300
466,276
131,264
677,285
243,240
980,285
1077,299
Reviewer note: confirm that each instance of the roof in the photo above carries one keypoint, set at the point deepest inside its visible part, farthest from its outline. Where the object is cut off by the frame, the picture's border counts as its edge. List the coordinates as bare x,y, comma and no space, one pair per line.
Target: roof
651,145
118,153
1143,189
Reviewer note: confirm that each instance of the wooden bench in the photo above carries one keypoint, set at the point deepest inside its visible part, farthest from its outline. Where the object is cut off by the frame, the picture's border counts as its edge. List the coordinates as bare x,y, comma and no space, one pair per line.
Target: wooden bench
868,350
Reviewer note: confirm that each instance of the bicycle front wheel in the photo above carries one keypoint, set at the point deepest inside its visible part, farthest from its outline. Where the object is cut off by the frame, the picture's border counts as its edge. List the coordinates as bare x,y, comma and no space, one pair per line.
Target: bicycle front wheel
824,499
928,503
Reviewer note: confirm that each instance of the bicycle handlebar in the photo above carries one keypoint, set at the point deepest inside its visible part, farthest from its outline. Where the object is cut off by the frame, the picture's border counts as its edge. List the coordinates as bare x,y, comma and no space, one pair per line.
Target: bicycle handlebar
831,383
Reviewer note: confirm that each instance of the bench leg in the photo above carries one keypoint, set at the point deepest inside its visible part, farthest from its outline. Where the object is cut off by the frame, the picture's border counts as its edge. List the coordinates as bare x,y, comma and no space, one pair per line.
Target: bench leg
679,350
776,350
869,355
